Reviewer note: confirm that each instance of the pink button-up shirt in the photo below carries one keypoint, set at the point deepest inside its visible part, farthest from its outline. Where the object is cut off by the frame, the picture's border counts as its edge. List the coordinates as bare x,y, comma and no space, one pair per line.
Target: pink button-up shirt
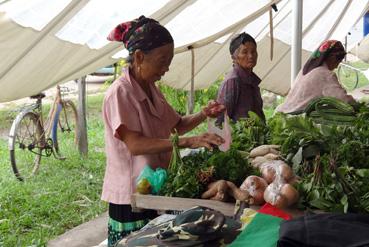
127,104
317,83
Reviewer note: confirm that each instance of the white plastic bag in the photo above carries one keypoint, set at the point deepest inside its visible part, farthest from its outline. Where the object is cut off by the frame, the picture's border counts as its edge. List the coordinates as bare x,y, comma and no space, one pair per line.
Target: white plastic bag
225,133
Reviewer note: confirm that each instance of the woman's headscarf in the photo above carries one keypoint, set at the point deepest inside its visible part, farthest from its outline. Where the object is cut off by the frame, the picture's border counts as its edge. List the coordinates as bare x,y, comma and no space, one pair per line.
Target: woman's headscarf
142,33
318,57
240,39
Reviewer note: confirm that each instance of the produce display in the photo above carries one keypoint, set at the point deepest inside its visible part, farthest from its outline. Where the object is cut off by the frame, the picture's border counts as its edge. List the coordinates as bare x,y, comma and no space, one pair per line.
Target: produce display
318,159
329,153
193,174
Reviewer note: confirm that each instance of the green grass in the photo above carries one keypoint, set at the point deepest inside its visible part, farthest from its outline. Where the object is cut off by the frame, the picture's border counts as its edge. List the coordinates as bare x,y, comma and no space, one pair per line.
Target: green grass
61,196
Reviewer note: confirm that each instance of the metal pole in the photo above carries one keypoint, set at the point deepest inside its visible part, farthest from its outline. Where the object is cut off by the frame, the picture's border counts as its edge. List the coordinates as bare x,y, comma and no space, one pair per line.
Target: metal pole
296,45
191,94
82,123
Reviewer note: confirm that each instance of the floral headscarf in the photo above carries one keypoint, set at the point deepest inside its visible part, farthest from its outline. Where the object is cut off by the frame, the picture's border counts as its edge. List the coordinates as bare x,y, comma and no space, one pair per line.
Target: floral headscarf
142,33
318,57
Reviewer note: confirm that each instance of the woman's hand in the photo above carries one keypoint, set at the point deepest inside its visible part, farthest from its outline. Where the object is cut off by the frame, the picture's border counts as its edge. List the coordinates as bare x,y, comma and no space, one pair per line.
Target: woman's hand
207,140
213,109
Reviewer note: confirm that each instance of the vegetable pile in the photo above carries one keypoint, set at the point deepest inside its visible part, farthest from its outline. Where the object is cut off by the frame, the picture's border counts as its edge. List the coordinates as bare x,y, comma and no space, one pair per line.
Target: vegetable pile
191,175
319,159
329,152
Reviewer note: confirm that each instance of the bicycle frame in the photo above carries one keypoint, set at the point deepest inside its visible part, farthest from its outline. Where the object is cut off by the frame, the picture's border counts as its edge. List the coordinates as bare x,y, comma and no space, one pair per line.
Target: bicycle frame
48,126
33,136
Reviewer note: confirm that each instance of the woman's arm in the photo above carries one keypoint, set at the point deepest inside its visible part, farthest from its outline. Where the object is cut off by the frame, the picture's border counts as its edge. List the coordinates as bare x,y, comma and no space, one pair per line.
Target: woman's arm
138,144
333,88
187,123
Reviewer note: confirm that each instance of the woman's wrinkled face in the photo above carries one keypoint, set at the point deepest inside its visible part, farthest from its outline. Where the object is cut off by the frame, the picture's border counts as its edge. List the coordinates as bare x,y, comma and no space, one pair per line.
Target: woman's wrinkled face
155,63
246,55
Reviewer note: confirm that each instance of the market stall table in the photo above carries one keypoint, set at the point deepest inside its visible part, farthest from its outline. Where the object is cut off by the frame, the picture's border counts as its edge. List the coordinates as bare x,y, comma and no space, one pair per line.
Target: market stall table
163,203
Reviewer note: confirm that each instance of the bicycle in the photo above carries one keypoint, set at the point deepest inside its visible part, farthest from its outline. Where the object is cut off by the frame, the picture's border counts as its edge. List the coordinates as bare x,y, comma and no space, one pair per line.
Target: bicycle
348,75
31,137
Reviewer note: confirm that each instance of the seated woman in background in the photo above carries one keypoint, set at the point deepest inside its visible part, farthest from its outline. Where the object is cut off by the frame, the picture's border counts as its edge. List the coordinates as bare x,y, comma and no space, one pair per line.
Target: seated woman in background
240,92
317,79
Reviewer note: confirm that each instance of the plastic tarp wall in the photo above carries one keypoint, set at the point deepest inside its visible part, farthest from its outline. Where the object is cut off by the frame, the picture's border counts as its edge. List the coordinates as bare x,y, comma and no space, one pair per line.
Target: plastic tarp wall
46,42
361,49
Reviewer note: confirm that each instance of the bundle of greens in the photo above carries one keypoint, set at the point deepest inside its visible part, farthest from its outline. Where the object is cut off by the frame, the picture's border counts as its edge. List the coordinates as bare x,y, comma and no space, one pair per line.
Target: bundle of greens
183,173
248,133
189,176
334,189
329,110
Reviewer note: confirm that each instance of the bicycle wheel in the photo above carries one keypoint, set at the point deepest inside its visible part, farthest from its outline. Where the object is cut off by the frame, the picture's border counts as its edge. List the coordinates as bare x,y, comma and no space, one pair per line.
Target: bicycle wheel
25,145
65,127
348,77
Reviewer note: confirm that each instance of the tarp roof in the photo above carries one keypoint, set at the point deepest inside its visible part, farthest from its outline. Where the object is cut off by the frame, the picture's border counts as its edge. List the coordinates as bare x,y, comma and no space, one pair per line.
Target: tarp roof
361,49
45,42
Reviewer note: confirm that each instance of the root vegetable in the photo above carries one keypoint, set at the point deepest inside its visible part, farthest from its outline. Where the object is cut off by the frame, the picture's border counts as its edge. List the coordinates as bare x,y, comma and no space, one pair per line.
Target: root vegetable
276,169
271,156
285,171
253,182
255,186
216,191
294,180
258,197
258,161
237,193
262,150
272,196
273,151
290,193
268,173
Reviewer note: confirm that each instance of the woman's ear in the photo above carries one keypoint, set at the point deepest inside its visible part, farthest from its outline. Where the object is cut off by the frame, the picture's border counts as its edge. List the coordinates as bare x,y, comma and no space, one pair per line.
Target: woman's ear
138,56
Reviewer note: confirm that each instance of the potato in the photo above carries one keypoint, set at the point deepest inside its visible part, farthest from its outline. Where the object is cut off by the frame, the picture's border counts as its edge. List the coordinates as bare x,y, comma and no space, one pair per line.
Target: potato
255,186
268,173
294,180
253,183
272,196
285,171
290,193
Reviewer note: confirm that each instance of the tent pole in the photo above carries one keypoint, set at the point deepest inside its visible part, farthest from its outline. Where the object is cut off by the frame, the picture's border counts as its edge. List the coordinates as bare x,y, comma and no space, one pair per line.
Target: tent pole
296,38
191,94
82,123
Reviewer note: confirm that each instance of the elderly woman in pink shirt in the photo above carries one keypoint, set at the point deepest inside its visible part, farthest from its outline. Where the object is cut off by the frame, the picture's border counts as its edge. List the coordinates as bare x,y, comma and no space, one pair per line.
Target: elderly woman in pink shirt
138,122
317,79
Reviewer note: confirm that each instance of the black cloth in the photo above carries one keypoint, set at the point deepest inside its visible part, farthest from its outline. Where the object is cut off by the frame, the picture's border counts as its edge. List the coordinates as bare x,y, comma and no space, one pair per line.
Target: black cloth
195,227
123,213
328,230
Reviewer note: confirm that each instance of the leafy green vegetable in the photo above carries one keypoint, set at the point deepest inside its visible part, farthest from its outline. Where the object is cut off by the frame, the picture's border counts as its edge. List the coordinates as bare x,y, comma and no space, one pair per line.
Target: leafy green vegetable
188,180
248,133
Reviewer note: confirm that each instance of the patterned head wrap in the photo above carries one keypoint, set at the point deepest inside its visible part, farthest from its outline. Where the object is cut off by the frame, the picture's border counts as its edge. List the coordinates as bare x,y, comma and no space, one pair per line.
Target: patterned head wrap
142,33
242,38
318,57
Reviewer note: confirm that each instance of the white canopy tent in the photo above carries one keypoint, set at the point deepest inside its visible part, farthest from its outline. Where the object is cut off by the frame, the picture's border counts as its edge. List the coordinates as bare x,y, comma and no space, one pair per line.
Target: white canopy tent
361,49
46,42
